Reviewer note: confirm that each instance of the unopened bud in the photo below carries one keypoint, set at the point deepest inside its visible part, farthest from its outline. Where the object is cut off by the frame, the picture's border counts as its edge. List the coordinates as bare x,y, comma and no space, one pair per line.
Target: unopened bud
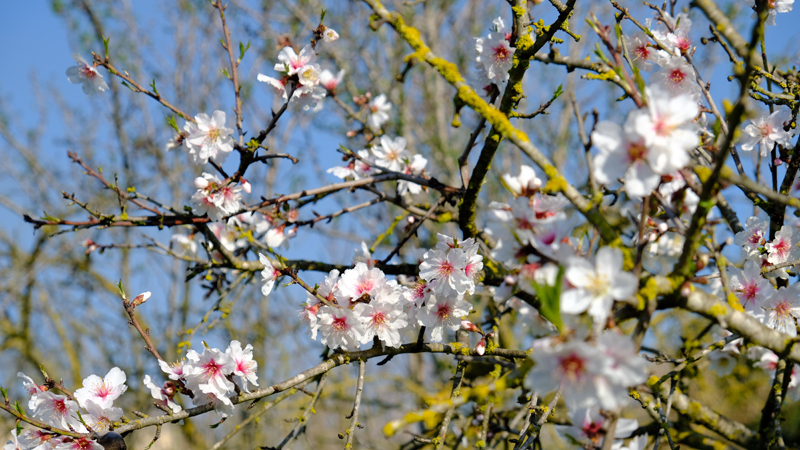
200,183
469,326
352,133
662,227
510,280
481,347
652,237
169,388
411,219
141,298
777,162
292,232
686,289
246,185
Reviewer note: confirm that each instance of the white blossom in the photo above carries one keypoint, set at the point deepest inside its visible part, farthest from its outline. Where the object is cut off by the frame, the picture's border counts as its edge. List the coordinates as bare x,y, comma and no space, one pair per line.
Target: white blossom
211,139
86,74
442,313
269,275
244,366
340,328
207,373
102,391
291,63
379,109
766,131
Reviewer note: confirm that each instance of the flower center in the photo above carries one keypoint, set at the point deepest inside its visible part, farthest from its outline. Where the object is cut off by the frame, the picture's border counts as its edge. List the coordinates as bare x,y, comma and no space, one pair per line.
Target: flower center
212,368
598,285
765,129
642,51
749,291
364,287
572,367
501,53
340,324
783,310
60,406
443,312
88,72
445,269
677,76
636,151
781,248
379,319
214,134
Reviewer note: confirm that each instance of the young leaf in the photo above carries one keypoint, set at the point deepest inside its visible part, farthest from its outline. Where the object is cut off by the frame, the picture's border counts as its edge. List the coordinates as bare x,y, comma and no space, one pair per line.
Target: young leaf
322,16
550,299
153,85
171,122
105,45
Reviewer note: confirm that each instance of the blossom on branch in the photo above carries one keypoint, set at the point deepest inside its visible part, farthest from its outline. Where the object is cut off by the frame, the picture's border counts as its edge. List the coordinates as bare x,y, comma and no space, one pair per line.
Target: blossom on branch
87,75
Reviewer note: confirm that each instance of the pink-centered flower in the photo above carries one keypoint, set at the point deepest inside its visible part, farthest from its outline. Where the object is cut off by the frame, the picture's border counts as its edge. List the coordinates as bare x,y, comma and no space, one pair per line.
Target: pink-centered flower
57,411
782,309
751,288
495,55
291,62
379,109
269,275
102,391
163,397
78,444
444,271
442,313
244,366
211,139
87,75
384,317
766,131
358,282
340,328
208,373
782,248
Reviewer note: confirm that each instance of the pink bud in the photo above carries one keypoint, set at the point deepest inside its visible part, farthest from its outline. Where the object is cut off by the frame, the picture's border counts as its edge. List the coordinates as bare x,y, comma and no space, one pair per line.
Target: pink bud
652,237
169,388
469,326
200,183
141,298
411,219
662,227
291,233
510,280
481,347
246,185
352,133
777,162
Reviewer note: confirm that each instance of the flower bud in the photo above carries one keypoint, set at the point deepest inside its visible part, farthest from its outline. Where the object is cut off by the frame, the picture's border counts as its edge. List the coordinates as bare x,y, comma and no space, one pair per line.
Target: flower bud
141,298
777,162
292,232
200,183
246,185
469,326
652,237
662,227
481,347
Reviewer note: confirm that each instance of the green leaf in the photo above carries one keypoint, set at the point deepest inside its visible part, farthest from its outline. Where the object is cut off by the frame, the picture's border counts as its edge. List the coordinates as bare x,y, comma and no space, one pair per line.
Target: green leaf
557,93
105,45
18,408
153,85
322,16
243,49
120,288
550,299
128,86
225,72
171,122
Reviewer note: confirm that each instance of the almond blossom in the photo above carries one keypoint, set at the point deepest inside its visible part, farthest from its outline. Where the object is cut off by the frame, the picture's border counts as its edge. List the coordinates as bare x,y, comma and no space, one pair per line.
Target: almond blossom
101,419
329,35
766,131
31,388
58,411
442,313
677,77
269,275
495,55
102,391
359,281
207,373
379,109
291,62
668,129
211,139
330,82
623,153
391,153
782,248
244,366
175,371
641,53
384,317
340,328
357,168
526,184
414,166
86,74
589,427
750,287
597,285
774,7
161,395
215,197
444,271
782,309
78,444
753,237
278,85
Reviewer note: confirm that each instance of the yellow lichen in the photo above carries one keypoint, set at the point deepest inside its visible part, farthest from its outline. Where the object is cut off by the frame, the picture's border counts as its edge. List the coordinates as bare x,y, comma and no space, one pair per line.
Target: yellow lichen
718,309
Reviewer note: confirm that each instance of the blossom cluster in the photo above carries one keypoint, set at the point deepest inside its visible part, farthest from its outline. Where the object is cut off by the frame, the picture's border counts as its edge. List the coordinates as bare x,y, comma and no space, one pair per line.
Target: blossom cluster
390,155
360,305
91,407
206,377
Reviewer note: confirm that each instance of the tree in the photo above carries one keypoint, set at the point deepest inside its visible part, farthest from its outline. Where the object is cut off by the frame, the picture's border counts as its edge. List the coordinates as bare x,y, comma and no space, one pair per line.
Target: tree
547,279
